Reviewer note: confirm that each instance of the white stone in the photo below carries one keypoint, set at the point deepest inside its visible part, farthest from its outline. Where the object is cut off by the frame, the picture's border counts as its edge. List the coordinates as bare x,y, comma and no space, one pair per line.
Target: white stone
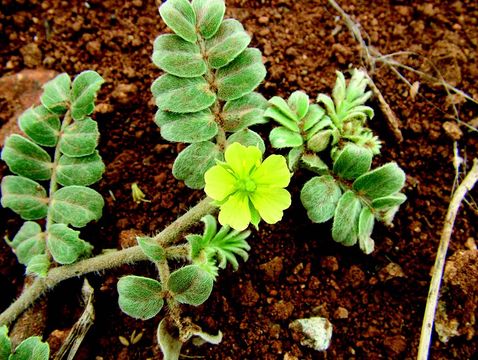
314,332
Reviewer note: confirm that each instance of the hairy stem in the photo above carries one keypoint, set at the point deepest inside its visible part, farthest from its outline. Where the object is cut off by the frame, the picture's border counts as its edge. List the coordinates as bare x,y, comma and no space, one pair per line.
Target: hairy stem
102,262
428,319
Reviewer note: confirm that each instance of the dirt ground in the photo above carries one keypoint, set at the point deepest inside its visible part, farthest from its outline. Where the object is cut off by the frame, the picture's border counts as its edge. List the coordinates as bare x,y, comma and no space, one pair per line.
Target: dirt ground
295,270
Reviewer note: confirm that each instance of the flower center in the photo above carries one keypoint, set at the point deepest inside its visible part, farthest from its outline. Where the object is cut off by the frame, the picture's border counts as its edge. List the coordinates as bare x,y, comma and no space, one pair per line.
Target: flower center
247,185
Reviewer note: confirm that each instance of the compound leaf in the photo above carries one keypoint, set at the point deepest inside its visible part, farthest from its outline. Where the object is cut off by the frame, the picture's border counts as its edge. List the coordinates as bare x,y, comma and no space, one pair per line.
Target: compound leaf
24,196
194,161
281,137
189,128
365,228
320,196
80,138
140,297
352,162
76,205
209,14
83,93
38,265
191,285
179,15
229,41
5,343
347,212
151,248
65,244
56,94
28,242
247,137
41,125
182,95
383,181
26,158
84,171
31,349
178,57
241,76
246,111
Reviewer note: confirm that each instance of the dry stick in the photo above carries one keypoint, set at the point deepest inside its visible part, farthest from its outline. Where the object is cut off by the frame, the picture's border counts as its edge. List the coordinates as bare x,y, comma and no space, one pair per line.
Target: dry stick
102,262
465,186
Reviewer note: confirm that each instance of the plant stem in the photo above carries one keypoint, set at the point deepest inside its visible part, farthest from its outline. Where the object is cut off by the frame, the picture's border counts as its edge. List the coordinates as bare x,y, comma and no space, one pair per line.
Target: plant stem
102,262
428,319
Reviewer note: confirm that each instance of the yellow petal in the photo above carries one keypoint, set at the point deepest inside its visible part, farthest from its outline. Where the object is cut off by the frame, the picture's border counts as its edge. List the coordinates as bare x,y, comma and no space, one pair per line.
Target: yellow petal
235,211
272,172
219,183
270,203
242,159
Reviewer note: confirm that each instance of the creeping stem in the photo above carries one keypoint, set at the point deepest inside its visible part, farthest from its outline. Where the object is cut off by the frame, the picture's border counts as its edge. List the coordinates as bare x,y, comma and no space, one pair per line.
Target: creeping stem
103,262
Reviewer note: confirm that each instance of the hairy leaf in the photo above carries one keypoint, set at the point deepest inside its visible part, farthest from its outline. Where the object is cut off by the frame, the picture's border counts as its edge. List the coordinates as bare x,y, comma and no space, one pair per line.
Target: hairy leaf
41,125
313,116
388,202
246,111
365,228
293,158
38,265
65,244
56,94
347,212
182,95
191,285
299,103
179,15
209,14
241,76
320,141
320,196
194,161
283,119
352,162
76,205
151,248
28,242
229,41
168,340
190,127
83,93
281,137
247,137
31,349
178,57
383,181
314,163
24,196
84,171
140,297
80,138
26,158
5,343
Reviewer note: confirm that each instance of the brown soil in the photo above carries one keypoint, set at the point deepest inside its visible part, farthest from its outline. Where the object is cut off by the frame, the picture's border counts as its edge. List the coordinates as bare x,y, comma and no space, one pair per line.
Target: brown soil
295,270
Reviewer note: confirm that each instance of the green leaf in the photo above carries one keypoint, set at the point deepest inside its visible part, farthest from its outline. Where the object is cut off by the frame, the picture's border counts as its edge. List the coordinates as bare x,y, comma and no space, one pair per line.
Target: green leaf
56,94
313,116
178,57
320,196
383,181
319,141
314,163
241,76
42,126
276,114
65,244
299,103
151,248
229,41
80,138
247,137
168,340
83,93
281,137
182,95
24,196
84,171
38,265
26,158
191,285
189,127
194,161
352,162
28,242
229,246
246,111
347,212
280,104
76,205
140,297
31,349
293,158
365,228
388,202
5,343
179,15
209,14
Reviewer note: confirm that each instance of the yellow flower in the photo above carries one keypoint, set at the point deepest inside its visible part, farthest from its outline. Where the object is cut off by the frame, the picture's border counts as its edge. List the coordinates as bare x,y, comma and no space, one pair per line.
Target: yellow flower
247,189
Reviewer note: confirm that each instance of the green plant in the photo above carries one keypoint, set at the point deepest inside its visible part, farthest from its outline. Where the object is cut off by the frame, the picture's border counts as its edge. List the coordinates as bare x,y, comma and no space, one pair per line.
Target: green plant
29,349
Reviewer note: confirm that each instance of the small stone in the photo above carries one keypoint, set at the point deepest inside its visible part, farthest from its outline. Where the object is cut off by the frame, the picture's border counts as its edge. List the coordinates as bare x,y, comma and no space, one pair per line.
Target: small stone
124,93
390,271
341,313
273,268
32,55
104,108
56,339
263,20
395,345
314,332
282,310
127,238
452,130
330,263
94,47
355,276
289,356
274,331
249,297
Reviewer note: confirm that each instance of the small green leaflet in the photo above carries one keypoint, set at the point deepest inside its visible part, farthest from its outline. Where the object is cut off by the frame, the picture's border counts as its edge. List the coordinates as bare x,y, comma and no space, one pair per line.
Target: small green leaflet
346,217
83,93
281,137
24,196
31,349
38,265
247,137
151,248
191,285
388,202
299,103
179,15
209,14
320,196
383,181
140,297
365,228
84,171
189,128
41,125
28,242
314,163
26,158
246,111
76,205
168,340
5,343
56,94
352,162
80,138
65,244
